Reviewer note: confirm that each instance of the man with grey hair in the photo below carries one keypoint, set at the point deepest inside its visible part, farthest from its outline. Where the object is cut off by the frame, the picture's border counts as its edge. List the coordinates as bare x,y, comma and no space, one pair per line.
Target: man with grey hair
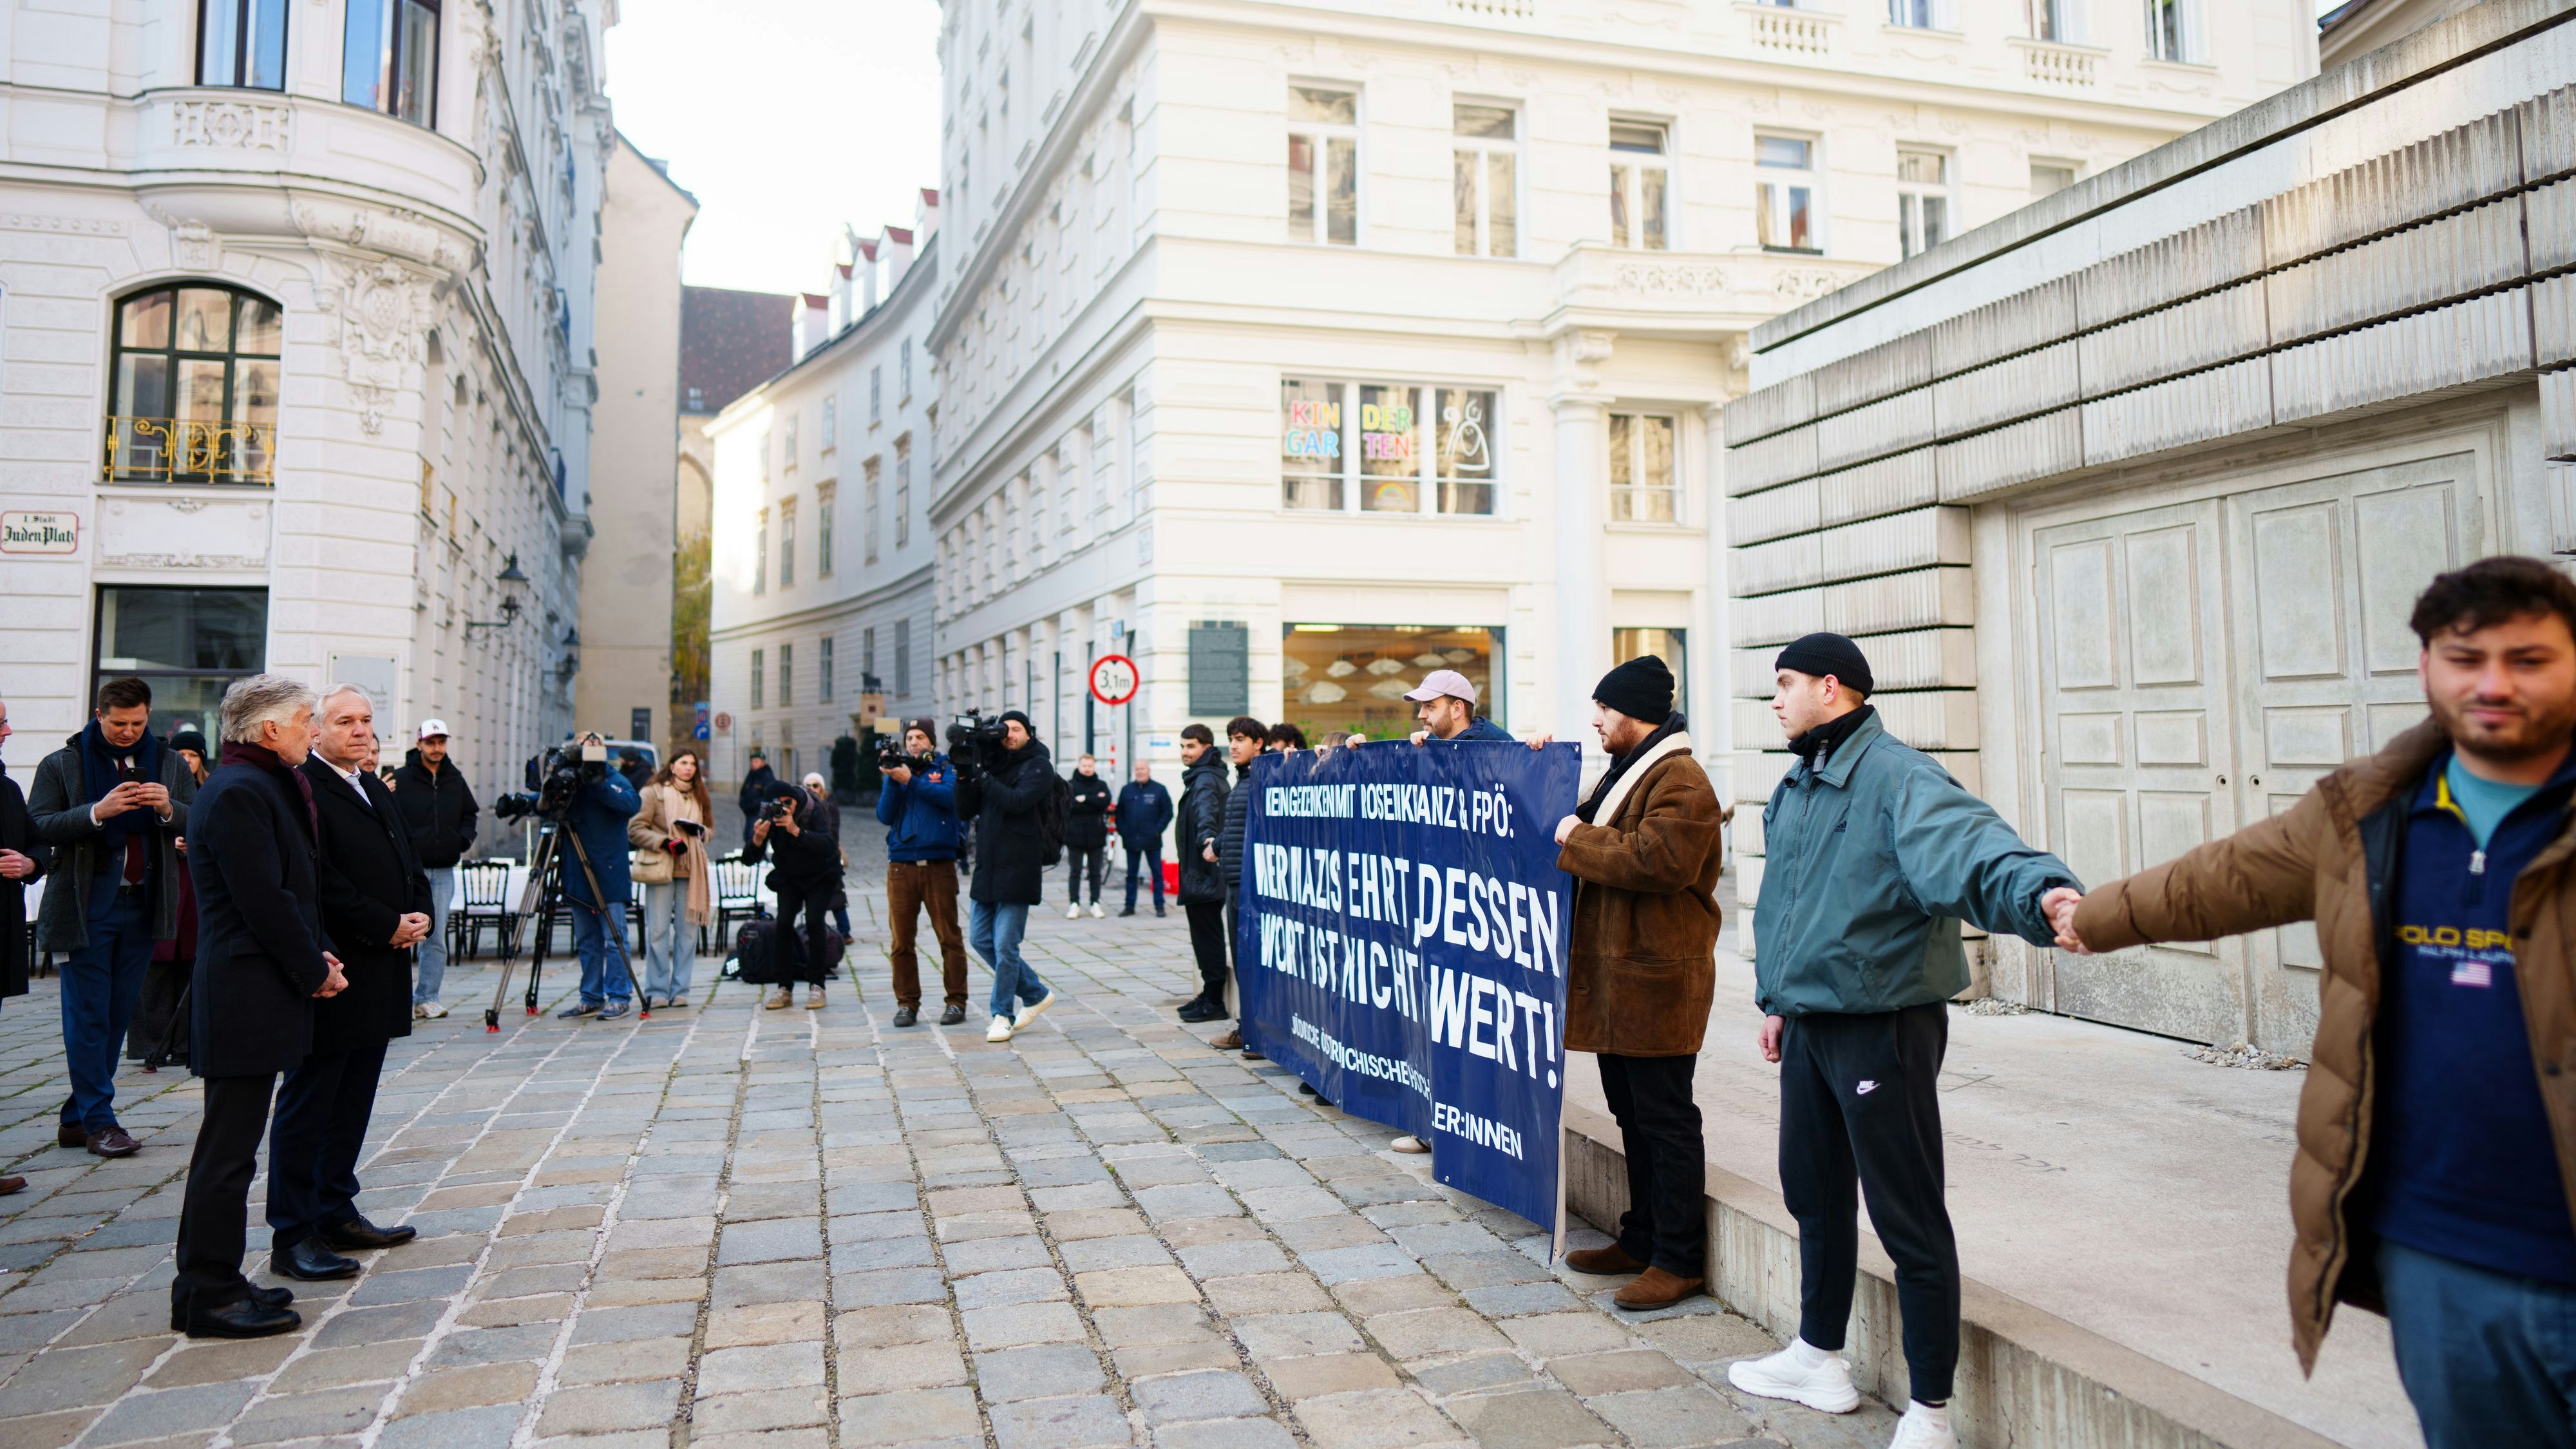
375,908
262,959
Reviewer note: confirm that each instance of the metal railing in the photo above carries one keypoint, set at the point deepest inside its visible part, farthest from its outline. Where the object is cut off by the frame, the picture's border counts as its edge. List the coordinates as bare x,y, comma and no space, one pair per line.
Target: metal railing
190,450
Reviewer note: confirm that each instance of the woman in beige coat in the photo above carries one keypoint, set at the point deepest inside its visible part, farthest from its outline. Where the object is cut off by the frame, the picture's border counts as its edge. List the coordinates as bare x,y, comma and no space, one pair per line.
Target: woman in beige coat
670,839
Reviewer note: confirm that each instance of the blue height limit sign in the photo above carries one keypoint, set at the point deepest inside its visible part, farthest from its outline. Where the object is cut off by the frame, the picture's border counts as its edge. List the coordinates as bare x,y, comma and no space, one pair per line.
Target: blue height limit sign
1404,934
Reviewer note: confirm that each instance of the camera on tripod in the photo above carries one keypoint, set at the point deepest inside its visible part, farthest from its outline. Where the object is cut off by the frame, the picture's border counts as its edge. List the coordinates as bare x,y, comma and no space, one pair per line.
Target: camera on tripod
974,743
556,779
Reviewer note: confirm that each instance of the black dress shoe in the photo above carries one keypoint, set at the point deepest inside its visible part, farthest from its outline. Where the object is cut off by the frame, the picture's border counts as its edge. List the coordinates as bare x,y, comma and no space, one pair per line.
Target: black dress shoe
271,1297
1201,1009
952,1015
249,1318
1131,910
70,1134
1158,913
906,1015
313,1261
357,1232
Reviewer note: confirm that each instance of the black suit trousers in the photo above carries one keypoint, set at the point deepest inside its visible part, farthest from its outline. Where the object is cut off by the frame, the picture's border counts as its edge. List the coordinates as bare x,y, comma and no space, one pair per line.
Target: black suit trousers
214,1213
321,1126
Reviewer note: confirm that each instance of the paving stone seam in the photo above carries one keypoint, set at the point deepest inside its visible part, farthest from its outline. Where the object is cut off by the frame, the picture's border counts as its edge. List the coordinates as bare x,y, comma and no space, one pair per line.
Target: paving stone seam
312,1332
447,1321
684,1419
929,1220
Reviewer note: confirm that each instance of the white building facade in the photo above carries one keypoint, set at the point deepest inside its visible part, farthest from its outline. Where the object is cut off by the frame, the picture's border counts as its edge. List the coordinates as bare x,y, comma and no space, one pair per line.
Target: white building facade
822,551
295,307
1295,351
2129,496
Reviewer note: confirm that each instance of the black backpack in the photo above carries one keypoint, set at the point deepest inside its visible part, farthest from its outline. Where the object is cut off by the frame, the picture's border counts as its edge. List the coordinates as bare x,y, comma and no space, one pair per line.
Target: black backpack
1055,807
755,949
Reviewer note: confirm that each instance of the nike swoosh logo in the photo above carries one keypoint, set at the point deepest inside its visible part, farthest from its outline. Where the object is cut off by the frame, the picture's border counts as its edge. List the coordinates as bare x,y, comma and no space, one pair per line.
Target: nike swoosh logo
1868,1087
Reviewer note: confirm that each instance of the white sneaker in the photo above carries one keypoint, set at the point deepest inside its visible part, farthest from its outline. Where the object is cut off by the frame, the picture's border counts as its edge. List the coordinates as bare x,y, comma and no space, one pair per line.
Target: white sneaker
1801,1373
1924,1427
1029,1013
1073,912
1410,1144
1098,914
1000,1030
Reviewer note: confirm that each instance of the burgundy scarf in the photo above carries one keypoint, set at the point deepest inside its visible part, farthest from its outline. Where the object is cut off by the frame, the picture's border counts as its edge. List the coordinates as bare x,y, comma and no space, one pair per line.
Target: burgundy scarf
237,753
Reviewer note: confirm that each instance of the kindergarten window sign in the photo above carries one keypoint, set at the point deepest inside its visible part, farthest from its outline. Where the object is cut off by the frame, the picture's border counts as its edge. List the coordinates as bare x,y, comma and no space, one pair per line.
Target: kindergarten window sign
1383,447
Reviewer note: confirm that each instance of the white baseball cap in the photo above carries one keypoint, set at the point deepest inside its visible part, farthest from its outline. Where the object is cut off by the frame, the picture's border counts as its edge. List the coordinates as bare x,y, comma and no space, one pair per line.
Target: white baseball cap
430,727
1440,682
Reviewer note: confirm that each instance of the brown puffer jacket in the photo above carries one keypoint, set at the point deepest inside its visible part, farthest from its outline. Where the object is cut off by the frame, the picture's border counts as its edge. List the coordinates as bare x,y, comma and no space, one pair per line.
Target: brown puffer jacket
1642,966
2319,860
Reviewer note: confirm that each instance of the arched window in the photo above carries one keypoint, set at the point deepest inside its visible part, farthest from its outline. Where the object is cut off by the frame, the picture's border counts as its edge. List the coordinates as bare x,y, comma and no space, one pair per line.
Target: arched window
195,400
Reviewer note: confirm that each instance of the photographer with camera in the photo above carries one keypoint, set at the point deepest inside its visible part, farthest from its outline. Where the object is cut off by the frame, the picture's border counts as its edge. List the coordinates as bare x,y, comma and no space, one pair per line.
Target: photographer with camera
602,801
1008,785
759,787
794,832
918,804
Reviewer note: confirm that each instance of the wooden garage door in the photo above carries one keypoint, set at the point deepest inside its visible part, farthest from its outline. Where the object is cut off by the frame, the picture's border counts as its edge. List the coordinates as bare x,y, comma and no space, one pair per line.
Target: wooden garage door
2138,736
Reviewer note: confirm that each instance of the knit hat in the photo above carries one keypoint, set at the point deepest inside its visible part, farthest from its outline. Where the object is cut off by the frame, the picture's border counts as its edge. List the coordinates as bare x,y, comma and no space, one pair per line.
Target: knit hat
1009,715
926,725
1823,654
190,740
1641,689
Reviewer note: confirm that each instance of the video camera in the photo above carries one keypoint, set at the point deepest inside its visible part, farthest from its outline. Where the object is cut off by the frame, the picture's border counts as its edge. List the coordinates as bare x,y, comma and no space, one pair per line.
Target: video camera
891,755
556,778
974,743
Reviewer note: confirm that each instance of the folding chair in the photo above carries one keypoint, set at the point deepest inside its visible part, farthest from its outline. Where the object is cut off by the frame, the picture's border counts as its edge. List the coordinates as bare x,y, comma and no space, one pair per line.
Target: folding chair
487,890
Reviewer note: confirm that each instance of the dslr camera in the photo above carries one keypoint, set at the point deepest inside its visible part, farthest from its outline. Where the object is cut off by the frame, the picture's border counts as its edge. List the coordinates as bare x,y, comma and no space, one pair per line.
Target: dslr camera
556,778
777,808
891,755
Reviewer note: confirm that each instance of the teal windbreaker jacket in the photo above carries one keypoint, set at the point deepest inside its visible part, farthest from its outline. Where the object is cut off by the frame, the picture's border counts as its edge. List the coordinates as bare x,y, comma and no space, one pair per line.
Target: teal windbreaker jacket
1871,863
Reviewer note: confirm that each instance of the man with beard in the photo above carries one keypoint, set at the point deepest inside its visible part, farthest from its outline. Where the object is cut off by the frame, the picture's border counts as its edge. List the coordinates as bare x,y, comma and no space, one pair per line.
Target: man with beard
1642,969
1005,796
2435,1167
375,908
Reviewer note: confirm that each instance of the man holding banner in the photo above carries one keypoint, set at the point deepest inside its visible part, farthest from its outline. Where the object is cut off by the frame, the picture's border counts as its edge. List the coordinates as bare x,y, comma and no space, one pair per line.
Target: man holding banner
1644,850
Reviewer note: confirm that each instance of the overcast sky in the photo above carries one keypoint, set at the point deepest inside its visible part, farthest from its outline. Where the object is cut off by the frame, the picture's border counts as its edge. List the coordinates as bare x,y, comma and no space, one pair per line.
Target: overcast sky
785,118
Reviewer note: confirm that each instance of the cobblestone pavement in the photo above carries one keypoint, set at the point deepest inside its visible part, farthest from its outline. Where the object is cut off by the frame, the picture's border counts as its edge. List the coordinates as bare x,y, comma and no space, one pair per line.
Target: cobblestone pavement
735,1227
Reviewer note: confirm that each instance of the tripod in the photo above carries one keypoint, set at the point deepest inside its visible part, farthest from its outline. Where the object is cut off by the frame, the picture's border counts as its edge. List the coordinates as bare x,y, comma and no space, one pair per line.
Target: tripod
545,889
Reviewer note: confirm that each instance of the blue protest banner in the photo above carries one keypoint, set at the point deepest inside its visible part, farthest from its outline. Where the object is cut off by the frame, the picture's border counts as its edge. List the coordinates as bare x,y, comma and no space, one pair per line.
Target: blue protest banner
1404,933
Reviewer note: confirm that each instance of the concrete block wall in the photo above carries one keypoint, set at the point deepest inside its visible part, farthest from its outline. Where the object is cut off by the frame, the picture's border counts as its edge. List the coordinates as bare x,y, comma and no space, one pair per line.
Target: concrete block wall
2448,262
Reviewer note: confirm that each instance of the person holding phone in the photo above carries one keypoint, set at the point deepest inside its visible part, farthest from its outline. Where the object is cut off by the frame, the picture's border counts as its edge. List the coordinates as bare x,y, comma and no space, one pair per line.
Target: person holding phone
670,839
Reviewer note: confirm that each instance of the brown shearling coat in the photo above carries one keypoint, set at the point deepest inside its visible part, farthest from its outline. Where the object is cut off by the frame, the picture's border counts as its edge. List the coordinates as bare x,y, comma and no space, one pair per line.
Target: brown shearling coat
2314,862
1643,963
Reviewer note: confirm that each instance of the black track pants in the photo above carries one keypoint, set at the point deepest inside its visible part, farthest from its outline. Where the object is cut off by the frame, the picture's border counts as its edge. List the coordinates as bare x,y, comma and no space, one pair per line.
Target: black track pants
1859,1104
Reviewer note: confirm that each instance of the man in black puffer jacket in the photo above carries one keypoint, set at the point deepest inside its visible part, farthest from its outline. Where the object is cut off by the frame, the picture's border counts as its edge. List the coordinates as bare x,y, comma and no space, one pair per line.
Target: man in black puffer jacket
439,807
1004,796
1202,822
1244,738
1086,836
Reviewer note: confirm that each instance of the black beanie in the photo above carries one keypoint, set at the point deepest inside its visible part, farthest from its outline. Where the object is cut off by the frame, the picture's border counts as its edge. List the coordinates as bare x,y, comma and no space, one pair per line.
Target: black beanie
1641,689
1026,723
1823,654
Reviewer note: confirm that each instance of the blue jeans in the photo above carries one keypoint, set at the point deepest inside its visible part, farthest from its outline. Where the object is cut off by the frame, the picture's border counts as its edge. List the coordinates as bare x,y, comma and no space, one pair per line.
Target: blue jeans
431,958
995,931
2489,1358
101,983
603,966
670,941
1151,858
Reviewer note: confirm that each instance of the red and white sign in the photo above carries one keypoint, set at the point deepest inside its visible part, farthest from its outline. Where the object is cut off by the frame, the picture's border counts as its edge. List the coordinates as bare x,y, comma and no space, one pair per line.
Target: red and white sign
724,722
1114,679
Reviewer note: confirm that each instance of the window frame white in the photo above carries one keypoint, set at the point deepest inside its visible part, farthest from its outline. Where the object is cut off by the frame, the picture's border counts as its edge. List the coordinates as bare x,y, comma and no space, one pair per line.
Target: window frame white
2188,43
1770,181
825,496
1924,208
1671,488
870,471
1319,136
1352,480
786,543
1487,149
1629,168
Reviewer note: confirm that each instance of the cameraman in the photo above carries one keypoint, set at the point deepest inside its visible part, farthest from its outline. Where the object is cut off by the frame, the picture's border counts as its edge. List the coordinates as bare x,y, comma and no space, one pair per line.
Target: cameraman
918,804
600,810
1004,793
794,830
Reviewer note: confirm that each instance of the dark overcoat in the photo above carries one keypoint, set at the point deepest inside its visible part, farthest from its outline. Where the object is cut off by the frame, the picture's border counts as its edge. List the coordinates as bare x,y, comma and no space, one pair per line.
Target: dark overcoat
1010,851
370,877
254,860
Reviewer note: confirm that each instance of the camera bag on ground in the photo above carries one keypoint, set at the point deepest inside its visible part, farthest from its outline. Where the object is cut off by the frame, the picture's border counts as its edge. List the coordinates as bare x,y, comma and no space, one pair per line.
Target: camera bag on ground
755,951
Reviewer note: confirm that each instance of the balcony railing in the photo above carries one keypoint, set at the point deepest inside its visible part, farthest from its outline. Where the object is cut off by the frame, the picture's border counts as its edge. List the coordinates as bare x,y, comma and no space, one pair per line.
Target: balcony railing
2056,63
190,450
1782,27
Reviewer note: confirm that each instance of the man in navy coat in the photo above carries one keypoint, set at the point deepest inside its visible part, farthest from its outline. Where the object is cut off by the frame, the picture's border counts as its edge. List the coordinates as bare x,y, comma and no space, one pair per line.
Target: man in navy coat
262,960
598,819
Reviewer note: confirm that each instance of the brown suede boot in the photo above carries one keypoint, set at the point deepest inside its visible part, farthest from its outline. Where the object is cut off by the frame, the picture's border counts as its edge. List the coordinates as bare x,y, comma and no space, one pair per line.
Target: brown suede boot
1656,1288
1604,1261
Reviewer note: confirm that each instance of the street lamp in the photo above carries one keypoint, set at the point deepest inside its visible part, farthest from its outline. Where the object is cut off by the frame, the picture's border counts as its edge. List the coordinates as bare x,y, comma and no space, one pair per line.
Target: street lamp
571,664
511,579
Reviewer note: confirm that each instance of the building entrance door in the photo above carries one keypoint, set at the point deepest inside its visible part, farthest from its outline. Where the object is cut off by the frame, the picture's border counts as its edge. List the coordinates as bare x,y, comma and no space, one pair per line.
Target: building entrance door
2137,742
2328,571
